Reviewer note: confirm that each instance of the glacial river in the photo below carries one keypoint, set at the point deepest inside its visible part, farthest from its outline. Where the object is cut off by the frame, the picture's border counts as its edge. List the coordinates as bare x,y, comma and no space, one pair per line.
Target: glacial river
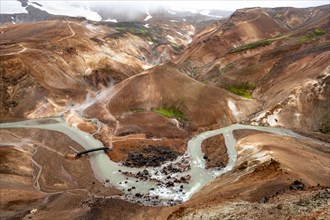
154,190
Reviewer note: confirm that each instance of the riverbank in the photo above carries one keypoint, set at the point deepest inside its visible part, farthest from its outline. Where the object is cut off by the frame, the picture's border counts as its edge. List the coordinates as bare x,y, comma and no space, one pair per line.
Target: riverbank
260,167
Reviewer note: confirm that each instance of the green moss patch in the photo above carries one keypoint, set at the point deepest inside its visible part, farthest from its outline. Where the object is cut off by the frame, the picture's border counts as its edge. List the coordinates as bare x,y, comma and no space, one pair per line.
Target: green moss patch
261,43
244,89
316,33
171,112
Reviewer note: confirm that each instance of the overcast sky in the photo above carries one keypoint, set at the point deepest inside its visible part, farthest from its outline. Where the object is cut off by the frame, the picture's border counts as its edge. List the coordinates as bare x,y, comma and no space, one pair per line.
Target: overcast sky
87,8
215,4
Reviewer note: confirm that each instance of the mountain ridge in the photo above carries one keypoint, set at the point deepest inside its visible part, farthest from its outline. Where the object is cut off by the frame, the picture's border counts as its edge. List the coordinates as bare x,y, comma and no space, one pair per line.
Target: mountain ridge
148,90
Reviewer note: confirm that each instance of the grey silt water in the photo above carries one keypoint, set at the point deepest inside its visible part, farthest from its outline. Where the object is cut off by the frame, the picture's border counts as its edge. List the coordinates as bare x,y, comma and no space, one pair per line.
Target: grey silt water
154,190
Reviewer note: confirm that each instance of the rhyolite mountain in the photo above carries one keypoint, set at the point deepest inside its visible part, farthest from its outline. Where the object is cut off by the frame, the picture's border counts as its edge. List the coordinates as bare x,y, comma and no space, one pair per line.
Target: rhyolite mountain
156,84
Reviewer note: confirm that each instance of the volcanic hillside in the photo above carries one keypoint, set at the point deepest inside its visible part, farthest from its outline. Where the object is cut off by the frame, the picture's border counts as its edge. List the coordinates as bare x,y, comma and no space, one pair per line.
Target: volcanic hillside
145,90
52,64
165,86
280,56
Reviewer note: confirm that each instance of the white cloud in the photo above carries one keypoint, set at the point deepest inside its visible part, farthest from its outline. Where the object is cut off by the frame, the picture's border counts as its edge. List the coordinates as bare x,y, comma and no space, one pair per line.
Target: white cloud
222,5
83,8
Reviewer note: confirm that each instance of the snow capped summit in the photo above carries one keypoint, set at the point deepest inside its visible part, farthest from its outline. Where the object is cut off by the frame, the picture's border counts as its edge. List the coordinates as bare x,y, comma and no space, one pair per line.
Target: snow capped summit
67,8
110,11
11,7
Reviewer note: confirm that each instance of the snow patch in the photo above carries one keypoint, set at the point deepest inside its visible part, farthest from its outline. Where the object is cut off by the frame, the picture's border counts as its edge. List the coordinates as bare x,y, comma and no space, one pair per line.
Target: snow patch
13,20
68,8
148,16
146,25
11,7
111,20
207,13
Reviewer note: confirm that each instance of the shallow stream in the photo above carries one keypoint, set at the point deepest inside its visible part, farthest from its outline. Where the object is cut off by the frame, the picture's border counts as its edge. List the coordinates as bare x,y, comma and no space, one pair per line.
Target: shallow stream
168,184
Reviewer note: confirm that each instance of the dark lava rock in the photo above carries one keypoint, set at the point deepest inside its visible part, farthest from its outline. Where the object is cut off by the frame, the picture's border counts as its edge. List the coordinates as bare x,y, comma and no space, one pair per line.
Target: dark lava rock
185,179
138,195
151,156
169,184
297,185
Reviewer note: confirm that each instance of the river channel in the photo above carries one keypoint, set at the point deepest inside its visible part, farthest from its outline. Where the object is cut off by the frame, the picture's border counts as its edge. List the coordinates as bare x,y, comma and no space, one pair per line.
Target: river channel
155,189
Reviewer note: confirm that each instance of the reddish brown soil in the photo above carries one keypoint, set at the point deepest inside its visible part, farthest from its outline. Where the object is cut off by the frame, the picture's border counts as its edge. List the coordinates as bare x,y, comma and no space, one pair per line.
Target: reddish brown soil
251,182
58,59
65,184
150,123
165,85
215,152
52,64
290,74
